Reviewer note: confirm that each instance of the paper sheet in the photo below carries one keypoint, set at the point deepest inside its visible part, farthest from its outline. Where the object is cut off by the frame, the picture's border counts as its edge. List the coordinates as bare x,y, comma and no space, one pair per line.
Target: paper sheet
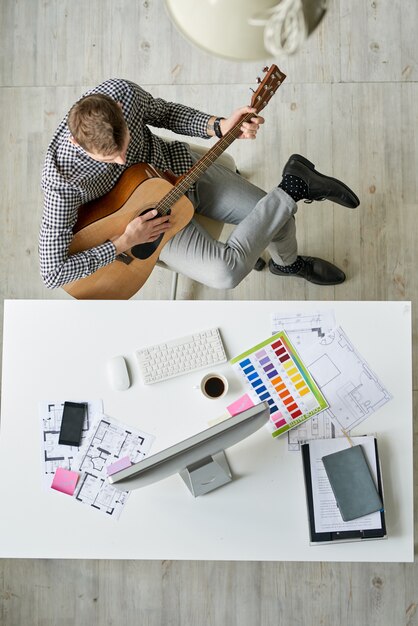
104,441
318,427
54,455
326,513
351,387
108,442
304,329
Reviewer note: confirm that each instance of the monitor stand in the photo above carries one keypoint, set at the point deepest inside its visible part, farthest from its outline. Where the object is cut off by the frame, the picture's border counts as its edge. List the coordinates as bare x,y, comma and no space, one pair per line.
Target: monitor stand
207,474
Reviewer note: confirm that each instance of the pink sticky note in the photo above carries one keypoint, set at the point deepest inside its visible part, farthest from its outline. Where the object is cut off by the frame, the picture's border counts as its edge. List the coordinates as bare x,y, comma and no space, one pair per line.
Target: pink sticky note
65,481
118,465
240,405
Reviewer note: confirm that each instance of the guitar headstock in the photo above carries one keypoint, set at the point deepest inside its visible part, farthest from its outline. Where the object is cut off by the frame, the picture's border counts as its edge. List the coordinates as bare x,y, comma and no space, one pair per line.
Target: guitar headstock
267,87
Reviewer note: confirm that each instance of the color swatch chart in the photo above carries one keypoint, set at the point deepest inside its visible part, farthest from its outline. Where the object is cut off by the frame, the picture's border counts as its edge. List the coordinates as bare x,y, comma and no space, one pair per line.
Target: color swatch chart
275,373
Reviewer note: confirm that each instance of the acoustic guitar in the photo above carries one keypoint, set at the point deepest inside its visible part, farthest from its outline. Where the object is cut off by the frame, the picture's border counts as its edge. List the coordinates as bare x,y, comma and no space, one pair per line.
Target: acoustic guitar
140,189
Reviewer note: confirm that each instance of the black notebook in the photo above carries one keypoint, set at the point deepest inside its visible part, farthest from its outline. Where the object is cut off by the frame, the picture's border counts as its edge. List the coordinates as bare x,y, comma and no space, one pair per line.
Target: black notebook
362,503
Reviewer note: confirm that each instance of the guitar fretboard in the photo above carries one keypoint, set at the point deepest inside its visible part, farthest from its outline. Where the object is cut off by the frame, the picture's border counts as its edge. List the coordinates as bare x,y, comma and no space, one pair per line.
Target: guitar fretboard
164,205
267,88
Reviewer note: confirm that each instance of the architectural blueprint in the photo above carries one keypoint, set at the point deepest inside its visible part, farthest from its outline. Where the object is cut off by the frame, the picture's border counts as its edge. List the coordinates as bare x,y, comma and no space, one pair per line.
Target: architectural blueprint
318,427
53,454
304,329
104,441
107,442
352,389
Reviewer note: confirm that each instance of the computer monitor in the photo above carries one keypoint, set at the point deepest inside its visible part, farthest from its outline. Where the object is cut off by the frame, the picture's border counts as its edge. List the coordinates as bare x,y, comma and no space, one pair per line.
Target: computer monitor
200,460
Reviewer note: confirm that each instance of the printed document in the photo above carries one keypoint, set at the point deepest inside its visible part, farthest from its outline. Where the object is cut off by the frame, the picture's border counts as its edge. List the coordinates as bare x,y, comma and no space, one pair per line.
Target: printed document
326,513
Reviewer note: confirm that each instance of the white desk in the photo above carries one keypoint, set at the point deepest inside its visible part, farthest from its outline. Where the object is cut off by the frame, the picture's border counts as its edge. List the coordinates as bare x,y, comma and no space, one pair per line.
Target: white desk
55,350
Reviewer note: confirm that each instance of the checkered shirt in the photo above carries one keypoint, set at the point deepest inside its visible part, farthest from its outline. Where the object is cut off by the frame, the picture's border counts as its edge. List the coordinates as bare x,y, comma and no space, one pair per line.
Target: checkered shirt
71,178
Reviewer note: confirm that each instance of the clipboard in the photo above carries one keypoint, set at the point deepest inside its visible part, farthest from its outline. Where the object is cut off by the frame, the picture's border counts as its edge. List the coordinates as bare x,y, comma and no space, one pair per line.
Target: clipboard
343,536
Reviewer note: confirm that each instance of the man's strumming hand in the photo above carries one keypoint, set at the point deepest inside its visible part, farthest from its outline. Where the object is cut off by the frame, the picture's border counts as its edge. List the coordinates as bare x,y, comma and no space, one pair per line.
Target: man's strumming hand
141,229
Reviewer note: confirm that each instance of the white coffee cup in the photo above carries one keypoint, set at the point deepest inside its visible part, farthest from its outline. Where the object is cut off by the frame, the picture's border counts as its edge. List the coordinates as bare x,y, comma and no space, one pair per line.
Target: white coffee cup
214,386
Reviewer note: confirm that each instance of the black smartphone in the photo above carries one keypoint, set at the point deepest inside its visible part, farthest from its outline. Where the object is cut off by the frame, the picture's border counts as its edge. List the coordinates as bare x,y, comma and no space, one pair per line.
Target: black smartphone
72,423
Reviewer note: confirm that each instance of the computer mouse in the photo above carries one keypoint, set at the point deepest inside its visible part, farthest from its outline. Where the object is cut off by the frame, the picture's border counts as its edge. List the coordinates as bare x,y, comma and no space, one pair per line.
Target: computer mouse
118,374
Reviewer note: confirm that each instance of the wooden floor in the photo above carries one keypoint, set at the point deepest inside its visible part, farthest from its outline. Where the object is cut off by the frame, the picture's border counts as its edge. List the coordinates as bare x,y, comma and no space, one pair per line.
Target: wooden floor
350,105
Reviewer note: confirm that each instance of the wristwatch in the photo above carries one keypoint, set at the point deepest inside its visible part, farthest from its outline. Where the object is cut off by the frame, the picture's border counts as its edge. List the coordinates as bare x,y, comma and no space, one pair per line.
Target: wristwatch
216,126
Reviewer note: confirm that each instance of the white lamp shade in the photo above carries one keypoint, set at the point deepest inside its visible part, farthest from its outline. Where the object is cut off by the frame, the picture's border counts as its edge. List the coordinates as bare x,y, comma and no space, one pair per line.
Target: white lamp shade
221,26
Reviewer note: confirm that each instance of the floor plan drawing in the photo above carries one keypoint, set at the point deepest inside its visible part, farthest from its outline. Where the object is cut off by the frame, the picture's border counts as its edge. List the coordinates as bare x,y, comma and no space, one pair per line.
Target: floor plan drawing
318,427
99,494
304,329
53,454
350,386
107,442
352,389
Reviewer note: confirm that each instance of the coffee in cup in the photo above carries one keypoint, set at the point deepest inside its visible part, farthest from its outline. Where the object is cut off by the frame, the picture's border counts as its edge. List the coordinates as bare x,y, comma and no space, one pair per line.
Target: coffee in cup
214,386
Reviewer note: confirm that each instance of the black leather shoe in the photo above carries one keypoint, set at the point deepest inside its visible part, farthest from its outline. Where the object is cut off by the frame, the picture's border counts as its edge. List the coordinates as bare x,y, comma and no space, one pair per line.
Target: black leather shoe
314,270
320,187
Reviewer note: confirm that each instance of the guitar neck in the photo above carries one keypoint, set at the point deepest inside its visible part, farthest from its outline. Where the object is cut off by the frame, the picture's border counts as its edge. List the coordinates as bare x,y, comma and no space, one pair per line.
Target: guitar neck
201,166
267,87
214,152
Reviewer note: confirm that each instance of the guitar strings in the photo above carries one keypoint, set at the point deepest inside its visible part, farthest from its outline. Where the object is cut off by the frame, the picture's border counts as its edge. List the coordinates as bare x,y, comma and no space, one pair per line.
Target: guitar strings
164,205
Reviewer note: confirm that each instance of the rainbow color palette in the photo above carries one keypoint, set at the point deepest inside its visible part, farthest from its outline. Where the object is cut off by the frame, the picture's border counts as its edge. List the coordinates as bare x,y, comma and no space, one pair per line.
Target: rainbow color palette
274,373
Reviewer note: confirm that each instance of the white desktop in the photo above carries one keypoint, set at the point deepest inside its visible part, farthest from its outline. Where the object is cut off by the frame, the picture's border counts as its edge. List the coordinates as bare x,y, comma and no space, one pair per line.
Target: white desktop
59,349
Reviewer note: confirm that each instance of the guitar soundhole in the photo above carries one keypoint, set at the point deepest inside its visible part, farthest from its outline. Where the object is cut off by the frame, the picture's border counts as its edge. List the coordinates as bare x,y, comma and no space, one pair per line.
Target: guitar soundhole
145,250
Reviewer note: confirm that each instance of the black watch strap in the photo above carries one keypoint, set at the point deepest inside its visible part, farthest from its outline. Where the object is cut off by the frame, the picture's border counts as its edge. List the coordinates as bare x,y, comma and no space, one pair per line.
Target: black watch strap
217,127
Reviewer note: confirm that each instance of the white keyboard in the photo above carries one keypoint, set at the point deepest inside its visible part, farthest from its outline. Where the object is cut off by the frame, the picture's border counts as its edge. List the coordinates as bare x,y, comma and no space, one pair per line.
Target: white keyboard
182,355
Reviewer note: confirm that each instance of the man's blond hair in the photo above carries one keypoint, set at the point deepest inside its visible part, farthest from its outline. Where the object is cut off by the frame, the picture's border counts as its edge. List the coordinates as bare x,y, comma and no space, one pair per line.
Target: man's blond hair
97,124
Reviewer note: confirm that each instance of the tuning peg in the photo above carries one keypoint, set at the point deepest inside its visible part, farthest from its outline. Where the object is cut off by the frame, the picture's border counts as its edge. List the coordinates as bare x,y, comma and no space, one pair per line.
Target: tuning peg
259,80
265,69
251,89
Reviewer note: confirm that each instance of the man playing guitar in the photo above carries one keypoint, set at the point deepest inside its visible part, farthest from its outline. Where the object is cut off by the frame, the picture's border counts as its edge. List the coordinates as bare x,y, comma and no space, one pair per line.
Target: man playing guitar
107,131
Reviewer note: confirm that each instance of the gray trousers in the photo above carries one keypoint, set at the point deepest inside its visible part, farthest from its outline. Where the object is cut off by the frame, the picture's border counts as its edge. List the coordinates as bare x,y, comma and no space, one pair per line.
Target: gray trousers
263,221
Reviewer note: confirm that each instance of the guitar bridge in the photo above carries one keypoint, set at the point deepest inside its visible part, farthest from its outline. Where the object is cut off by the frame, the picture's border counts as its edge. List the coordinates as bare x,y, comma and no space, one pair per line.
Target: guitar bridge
124,258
